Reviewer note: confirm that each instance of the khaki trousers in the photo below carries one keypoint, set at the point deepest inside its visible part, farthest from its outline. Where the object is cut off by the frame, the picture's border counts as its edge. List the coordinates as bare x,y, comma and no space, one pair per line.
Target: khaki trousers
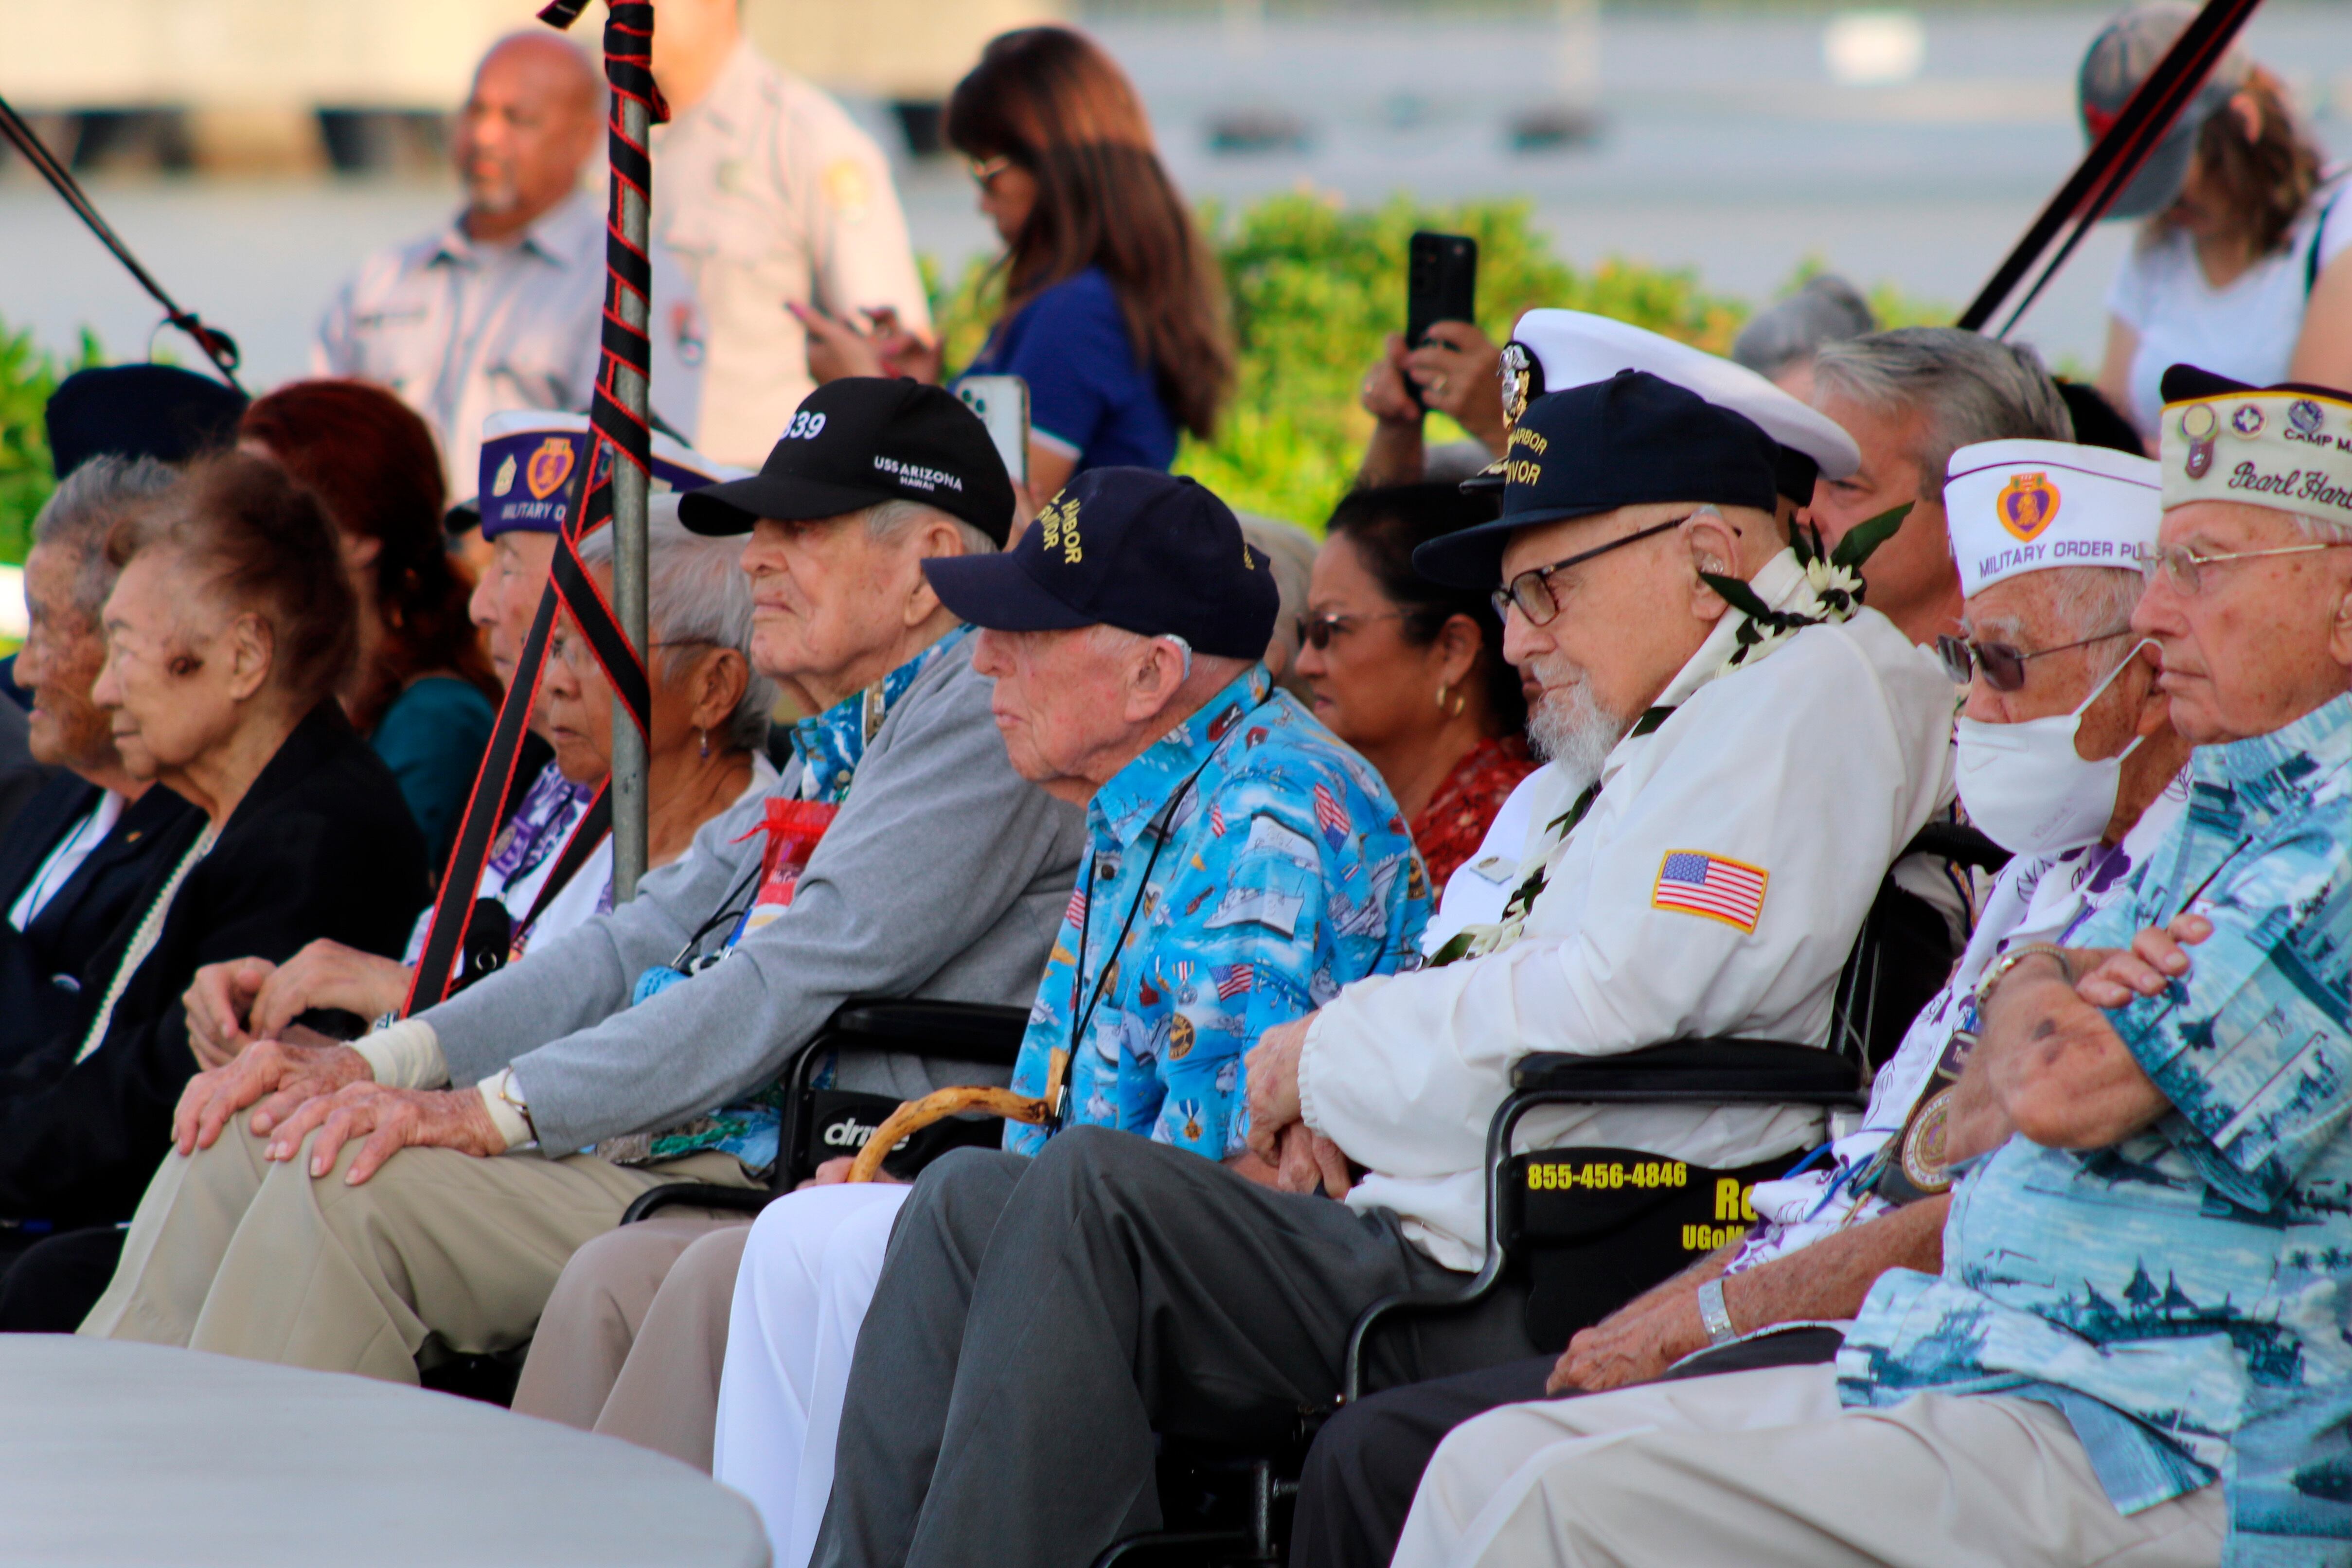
234,1253
1764,1467
635,1336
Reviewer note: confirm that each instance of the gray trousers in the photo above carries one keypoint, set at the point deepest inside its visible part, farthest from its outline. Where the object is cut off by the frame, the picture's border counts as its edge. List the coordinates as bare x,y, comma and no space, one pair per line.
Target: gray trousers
1037,1321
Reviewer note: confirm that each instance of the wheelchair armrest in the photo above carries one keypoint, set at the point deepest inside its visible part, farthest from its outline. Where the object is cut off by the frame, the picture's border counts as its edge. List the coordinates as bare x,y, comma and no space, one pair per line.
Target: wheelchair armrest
1729,1072
695,1194
969,1031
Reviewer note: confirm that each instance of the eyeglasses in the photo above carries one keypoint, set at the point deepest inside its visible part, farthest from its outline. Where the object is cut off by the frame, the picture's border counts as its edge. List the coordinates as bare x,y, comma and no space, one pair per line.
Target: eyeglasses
577,655
2183,568
1317,631
986,170
2003,666
1531,590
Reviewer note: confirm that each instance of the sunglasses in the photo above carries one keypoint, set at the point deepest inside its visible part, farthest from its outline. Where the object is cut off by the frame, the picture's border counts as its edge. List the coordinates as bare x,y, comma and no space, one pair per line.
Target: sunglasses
2003,666
1317,631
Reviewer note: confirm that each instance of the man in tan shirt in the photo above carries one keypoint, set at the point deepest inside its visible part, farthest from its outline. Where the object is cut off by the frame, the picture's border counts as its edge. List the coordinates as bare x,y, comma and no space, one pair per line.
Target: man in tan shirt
768,194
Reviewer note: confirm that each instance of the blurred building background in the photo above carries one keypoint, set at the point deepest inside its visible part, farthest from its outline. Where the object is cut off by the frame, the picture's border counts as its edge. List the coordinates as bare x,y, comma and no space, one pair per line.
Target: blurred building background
252,149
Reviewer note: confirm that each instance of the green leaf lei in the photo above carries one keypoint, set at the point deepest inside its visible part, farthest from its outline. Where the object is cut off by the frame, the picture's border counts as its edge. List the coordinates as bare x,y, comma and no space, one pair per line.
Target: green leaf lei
1834,577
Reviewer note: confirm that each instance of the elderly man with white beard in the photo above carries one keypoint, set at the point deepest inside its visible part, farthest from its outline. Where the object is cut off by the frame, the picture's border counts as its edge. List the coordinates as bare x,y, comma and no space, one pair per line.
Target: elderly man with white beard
1732,784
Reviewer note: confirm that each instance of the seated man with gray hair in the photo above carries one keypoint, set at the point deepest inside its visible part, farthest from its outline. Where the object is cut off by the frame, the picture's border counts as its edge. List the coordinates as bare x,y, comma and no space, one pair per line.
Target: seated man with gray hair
1910,398
359,1213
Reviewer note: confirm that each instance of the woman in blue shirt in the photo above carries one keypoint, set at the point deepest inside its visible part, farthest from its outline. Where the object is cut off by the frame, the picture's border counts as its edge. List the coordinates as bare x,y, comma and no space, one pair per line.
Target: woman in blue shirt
1114,313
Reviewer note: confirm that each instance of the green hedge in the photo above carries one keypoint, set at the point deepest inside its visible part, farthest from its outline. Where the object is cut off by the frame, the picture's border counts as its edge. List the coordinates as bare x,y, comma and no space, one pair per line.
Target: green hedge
27,377
1315,288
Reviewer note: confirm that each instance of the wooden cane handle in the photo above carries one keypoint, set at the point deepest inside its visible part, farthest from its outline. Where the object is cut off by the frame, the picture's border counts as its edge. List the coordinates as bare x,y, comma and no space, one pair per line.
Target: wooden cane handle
937,1106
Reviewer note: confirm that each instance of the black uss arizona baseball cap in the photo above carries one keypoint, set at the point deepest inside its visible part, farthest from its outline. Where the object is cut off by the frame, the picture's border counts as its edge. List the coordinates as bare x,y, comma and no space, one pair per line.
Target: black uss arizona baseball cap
1629,440
1131,548
858,442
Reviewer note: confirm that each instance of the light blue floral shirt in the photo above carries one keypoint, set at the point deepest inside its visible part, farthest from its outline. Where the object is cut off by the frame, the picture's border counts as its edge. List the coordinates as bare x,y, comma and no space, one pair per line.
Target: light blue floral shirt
2185,1295
830,745
1284,871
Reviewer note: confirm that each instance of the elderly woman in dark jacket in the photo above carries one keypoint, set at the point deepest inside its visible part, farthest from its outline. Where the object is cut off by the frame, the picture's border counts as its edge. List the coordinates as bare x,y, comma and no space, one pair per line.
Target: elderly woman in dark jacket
227,634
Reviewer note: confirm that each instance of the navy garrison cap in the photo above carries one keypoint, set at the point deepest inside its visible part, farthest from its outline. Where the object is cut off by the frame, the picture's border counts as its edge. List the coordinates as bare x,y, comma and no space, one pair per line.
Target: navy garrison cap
1132,548
1632,439
139,411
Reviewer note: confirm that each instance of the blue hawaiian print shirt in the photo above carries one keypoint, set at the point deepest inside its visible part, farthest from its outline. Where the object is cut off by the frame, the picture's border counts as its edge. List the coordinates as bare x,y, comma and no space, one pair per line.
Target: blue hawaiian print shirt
1284,871
2185,1295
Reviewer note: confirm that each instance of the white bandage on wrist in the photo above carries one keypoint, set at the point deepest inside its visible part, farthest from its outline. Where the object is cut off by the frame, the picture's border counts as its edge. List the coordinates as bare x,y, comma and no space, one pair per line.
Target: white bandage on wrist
406,1056
509,1111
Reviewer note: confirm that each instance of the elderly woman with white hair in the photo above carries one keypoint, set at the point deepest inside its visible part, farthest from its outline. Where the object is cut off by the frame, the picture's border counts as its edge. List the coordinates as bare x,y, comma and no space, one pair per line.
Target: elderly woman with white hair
551,866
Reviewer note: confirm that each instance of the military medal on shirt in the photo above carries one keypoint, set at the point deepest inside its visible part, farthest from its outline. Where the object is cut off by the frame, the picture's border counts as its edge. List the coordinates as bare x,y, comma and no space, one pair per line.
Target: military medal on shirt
1916,1162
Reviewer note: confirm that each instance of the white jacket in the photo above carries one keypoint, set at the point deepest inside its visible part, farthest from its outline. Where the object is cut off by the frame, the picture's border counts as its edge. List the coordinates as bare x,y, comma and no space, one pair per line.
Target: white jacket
1816,764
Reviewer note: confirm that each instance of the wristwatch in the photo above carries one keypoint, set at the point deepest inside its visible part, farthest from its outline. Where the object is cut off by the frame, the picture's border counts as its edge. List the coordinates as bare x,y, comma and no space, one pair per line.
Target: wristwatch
1715,1315
2011,960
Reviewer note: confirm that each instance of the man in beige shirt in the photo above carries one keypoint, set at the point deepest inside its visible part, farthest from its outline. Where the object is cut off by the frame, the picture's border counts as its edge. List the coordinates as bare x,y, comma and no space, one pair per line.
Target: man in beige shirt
768,196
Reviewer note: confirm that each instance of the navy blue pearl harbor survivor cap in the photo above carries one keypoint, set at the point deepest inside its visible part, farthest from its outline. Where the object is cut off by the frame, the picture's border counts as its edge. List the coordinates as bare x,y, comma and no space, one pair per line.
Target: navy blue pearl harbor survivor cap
1627,441
1131,548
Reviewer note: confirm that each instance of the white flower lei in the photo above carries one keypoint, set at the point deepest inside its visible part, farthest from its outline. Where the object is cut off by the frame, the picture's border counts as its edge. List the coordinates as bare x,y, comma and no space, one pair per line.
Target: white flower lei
1831,592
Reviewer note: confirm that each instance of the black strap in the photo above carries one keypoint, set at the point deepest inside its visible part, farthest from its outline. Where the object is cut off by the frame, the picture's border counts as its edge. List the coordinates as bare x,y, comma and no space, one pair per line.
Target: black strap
595,825
616,435
217,345
2113,159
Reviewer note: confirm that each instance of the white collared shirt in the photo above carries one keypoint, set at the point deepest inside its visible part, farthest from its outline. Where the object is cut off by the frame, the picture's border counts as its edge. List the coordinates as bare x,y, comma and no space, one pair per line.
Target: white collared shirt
88,831
1816,765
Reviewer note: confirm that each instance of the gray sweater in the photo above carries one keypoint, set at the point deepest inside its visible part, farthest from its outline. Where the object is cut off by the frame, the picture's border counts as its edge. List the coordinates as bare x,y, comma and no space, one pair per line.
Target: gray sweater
945,876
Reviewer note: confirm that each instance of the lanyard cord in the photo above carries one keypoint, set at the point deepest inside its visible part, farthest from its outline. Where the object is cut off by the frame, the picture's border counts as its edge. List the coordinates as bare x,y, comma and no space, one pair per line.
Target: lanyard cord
1162,828
726,911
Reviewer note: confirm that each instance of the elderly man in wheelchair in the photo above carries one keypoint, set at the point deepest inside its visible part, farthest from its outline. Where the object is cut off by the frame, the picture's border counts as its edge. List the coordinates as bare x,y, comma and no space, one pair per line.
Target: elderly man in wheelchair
1739,751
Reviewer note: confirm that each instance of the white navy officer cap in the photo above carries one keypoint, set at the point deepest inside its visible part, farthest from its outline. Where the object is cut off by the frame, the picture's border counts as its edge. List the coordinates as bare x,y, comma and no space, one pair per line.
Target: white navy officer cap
1551,351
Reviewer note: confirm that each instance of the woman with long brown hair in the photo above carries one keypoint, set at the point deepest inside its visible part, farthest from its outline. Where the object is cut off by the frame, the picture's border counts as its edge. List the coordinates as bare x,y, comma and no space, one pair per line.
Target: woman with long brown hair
1114,313
422,689
2242,267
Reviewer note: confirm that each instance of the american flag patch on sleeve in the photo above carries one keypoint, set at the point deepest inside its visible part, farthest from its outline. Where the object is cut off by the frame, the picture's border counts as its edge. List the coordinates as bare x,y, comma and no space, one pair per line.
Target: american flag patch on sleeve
1697,883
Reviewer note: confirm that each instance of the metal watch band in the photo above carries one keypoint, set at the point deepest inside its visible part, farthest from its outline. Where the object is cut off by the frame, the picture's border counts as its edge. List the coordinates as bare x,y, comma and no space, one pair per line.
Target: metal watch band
2011,960
1715,1315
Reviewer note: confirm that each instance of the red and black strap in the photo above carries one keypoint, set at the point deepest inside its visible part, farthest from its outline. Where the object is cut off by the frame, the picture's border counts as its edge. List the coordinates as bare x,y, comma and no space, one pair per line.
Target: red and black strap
615,434
2122,146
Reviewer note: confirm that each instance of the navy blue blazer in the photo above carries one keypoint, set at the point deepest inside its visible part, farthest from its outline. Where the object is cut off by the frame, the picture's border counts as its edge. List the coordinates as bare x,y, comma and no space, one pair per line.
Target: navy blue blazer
321,846
47,988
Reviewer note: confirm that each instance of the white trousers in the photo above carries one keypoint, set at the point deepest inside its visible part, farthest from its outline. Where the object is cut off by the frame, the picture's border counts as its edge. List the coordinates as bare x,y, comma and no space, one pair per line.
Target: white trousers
808,1273
1765,1468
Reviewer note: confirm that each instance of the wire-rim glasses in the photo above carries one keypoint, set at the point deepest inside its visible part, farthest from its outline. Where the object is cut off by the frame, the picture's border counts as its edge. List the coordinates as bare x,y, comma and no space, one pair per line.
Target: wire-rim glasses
2182,567
1531,589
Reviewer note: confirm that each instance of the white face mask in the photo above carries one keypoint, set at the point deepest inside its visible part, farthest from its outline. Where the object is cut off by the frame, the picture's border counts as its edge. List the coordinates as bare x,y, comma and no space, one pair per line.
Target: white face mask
2027,786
